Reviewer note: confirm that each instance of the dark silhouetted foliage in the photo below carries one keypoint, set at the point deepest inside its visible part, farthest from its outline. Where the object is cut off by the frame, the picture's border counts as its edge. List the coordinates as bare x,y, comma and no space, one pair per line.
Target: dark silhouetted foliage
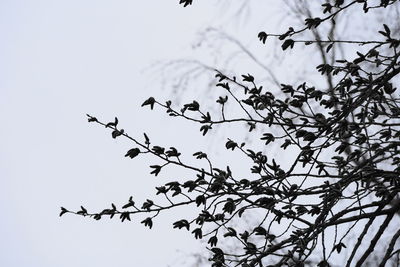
344,176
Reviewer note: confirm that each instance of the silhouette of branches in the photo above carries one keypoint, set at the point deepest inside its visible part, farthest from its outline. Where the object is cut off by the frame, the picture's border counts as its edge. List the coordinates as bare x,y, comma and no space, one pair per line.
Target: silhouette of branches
344,176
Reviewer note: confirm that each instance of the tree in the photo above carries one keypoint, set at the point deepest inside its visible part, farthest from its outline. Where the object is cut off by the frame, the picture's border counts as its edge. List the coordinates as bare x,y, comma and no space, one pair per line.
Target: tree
339,192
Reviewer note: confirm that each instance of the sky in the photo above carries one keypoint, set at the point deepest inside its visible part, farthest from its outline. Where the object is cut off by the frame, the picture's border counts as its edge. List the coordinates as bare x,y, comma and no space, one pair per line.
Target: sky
60,60
63,59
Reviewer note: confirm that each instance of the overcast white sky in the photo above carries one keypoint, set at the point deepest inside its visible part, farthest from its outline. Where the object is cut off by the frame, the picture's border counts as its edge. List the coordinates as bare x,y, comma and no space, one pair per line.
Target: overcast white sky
58,61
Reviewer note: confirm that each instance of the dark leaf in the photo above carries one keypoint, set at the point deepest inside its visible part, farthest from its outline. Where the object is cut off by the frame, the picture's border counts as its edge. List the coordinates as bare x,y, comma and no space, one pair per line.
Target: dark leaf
200,199
149,102
198,233
117,133
182,224
157,169
288,43
194,106
185,3
158,150
131,203
148,222
248,78
112,124
230,145
125,216
147,140
172,152
83,211
329,47
91,119
231,232
222,100
200,155
63,211
263,37
268,138
148,204
132,153
205,129
213,241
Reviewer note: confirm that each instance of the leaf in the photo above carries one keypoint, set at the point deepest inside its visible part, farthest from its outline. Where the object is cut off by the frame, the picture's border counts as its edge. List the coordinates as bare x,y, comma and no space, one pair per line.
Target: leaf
200,155
220,76
248,102
200,199
112,124
147,140
286,34
83,211
191,185
147,222
268,138
338,247
177,190
329,47
186,2
263,37
213,241
157,169
325,68
312,22
147,205
172,152
266,202
198,233
158,150
260,231
131,203
288,43
194,106
206,118
205,129
229,206
286,143
117,133
248,78
222,100
250,248
91,119
132,153
388,88
387,30
63,211
327,8
338,3
224,85
150,101
245,235
252,126
231,232
125,216
230,145
182,224
218,256
161,190
97,217
323,263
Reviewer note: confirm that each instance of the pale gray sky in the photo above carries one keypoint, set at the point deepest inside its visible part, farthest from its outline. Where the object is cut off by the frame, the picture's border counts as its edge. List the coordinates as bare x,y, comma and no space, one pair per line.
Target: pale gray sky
60,60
